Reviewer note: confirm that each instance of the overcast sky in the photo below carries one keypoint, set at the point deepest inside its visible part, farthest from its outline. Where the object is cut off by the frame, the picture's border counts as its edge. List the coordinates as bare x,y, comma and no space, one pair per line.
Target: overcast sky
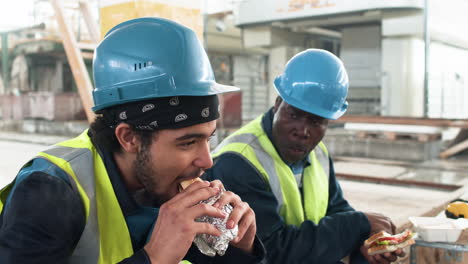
15,14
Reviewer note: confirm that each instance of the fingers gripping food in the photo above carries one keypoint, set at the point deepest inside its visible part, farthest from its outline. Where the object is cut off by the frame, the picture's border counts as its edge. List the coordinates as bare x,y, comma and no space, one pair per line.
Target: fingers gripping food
208,244
384,242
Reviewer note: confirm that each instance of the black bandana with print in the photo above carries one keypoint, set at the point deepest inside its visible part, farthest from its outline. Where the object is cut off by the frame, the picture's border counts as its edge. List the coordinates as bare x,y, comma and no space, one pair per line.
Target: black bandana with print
164,112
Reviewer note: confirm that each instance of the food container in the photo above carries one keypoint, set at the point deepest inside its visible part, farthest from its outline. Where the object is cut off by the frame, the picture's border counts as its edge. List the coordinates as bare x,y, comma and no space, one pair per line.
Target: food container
437,229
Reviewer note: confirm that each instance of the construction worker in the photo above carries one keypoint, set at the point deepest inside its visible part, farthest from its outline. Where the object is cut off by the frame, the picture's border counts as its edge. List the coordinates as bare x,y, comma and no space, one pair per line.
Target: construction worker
111,195
278,164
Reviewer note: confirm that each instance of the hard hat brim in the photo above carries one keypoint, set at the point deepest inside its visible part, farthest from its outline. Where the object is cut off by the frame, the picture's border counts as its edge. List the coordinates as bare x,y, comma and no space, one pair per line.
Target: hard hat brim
101,96
222,88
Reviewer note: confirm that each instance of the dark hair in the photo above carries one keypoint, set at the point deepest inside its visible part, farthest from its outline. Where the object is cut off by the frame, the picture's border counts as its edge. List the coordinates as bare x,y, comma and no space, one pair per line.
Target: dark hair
103,135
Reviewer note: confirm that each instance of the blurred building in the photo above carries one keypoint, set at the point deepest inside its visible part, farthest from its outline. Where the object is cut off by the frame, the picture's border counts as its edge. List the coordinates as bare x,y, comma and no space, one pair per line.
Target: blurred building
382,44
36,76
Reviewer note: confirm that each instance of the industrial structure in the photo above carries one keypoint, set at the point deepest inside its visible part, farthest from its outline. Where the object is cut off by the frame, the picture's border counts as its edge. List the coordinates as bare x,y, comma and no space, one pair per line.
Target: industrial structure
404,58
407,62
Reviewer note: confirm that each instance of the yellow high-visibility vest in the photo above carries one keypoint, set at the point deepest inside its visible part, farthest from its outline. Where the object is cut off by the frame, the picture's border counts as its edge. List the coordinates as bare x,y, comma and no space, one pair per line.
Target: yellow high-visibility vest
105,238
252,143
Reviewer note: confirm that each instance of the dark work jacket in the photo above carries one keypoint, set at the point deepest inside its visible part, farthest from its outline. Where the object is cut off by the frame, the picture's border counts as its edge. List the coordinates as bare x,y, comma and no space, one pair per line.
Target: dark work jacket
340,233
44,217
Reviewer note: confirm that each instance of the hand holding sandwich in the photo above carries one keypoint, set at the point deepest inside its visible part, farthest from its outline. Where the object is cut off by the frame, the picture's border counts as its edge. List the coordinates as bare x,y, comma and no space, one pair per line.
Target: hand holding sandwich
241,215
176,228
380,223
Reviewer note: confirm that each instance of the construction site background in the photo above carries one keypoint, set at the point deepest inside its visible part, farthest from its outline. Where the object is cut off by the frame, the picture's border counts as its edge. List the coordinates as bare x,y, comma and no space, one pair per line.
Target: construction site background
400,150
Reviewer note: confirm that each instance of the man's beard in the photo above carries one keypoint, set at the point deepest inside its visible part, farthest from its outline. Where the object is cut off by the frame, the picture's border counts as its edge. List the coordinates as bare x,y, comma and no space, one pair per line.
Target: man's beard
145,173
147,176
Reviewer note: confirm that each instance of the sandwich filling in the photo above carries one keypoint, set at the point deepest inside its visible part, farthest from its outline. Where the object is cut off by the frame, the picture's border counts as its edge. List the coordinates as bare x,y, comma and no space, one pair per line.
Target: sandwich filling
383,240
392,240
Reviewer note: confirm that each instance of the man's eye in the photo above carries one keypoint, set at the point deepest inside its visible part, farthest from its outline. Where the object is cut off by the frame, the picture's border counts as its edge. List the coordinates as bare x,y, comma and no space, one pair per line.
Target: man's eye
318,122
293,116
186,144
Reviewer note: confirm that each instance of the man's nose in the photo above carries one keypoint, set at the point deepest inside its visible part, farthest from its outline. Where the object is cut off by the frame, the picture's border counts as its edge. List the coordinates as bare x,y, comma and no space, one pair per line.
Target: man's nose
203,159
303,131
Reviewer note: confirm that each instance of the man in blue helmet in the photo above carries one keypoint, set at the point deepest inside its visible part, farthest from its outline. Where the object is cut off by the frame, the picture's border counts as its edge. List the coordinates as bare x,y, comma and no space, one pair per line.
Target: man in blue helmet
278,164
111,195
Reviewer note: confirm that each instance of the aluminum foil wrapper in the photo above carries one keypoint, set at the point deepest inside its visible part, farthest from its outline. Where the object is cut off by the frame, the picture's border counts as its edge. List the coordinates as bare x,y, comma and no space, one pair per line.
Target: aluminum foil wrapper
211,245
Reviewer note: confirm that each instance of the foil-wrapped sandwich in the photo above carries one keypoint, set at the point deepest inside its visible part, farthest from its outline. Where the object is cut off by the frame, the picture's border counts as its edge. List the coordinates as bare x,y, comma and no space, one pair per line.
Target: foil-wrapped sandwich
208,244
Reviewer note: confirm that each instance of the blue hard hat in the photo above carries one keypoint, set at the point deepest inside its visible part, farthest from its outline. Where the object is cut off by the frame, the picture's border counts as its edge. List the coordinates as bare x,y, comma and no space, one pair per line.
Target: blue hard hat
146,58
315,81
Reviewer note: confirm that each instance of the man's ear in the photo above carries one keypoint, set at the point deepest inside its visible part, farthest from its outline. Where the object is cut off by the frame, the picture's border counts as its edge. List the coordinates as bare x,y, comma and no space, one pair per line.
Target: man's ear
129,141
277,104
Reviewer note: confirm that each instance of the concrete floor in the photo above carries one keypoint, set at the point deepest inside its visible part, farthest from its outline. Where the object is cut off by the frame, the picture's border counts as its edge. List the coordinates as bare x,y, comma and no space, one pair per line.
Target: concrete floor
13,156
16,149
452,172
398,201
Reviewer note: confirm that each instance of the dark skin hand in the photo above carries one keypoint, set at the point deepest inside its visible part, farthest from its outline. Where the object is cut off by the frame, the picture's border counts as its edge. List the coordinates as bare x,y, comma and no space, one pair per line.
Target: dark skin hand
379,223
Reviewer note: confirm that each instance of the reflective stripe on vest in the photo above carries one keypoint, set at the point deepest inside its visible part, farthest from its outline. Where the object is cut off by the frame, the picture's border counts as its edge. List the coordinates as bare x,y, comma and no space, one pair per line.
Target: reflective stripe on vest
251,143
105,238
